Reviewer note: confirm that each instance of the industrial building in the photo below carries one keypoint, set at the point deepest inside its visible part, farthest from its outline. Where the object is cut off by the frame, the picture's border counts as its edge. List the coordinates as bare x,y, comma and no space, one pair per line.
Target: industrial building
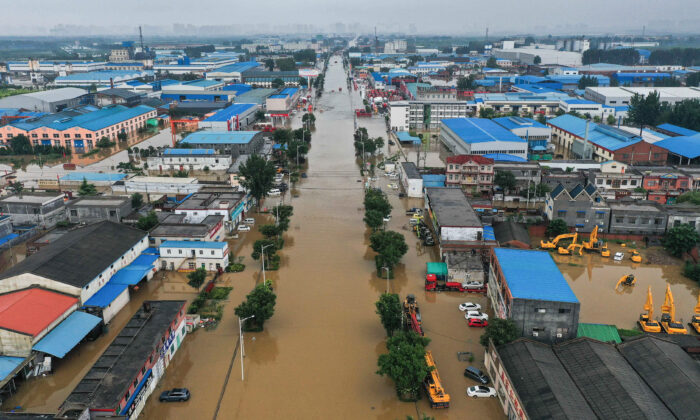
522,103
426,115
79,132
235,117
43,210
94,209
232,72
233,143
281,104
175,228
589,140
411,181
526,55
265,78
583,378
537,134
621,96
101,77
49,101
128,371
191,255
196,207
479,136
188,160
155,187
527,287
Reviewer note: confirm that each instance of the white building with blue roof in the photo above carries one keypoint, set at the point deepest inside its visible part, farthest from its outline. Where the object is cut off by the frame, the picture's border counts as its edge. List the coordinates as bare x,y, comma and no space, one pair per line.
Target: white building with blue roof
191,255
480,136
527,287
233,143
232,118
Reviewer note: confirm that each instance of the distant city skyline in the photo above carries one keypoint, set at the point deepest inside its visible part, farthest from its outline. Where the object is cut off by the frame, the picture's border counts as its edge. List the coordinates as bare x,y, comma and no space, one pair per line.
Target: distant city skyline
222,18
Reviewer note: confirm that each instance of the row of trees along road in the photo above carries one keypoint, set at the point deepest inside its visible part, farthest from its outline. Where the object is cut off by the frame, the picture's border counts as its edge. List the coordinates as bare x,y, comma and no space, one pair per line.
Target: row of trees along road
273,240
390,246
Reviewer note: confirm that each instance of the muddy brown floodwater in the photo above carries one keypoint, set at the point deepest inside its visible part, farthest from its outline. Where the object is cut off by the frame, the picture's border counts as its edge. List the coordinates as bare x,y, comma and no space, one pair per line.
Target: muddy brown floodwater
317,357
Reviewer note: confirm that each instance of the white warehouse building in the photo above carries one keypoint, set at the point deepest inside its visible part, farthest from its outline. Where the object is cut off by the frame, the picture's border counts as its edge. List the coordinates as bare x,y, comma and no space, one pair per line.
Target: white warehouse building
480,136
189,160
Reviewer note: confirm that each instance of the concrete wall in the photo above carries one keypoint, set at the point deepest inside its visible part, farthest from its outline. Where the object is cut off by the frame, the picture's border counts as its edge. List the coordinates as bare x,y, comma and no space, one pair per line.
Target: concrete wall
15,344
117,304
628,221
90,214
26,280
461,233
551,321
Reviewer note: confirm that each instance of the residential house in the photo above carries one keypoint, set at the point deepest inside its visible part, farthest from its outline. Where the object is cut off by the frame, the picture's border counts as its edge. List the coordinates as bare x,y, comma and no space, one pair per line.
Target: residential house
683,213
664,184
43,210
95,209
580,207
473,173
637,218
615,180
569,179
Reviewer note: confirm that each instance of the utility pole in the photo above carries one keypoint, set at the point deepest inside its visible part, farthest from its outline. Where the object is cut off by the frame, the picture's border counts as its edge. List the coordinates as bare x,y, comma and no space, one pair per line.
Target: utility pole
240,337
141,39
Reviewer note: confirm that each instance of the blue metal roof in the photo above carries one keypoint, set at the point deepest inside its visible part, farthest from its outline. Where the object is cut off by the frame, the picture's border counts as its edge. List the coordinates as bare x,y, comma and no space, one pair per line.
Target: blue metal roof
433,181
289,91
489,234
8,364
67,334
188,152
237,67
278,96
202,83
220,137
193,244
504,157
686,146
608,137
106,295
405,136
677,130
7,238
239,88
92,176
512,123
102,76
480,130
93,121
533,275
230,112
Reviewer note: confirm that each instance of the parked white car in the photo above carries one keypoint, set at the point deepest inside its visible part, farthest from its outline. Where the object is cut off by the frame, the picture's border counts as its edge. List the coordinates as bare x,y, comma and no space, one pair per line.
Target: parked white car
249,221
473,284
243,228
619,256
469,306
274,192
480,391
476,315
387,219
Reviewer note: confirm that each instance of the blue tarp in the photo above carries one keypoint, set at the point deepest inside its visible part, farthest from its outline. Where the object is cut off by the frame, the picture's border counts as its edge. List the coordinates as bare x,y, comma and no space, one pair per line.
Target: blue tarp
67,334
8,364
106,295
8,238
489,234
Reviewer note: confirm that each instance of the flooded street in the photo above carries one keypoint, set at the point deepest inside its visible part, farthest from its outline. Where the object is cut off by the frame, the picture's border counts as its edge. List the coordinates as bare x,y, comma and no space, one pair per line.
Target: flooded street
318,355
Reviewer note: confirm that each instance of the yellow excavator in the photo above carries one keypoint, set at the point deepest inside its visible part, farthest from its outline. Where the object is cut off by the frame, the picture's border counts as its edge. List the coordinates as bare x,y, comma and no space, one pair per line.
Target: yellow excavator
646,321
626,280
636,256
571,249
593,244
668,315
553,243
695,321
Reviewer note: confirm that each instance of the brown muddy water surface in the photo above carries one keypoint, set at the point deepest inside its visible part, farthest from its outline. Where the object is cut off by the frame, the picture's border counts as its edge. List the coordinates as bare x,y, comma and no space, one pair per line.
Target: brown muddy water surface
317,357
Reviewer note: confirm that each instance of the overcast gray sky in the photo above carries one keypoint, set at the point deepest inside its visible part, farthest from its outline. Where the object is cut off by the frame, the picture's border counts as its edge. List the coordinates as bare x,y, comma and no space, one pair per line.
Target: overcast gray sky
22,17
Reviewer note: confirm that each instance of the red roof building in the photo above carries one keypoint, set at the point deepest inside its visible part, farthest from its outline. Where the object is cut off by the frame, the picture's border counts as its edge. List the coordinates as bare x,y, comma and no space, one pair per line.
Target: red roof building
32,311
473,173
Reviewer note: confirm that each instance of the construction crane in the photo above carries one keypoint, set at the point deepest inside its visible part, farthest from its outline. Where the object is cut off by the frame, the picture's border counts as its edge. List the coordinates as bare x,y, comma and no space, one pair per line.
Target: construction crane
553,244
695,321
646,321
626,280
668,315
433,386
636,256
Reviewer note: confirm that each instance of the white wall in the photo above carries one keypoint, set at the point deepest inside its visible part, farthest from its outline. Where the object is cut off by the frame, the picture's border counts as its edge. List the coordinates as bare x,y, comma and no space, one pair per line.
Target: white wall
398,117
117,304
460,233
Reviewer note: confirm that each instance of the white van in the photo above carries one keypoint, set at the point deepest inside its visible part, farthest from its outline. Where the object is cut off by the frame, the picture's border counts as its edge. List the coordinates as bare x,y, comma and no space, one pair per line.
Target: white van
274,192
249,221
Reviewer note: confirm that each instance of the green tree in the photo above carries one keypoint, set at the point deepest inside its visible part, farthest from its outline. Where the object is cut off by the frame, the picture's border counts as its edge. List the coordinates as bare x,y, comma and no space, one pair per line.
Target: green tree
375,199
197,277
104,143
282,136
693,79
121,136
586,81
501,331
466,83
389,311
308,117
556,227
405,363
537,60
611,119
374,219
644,110
505,180
296,150
16,187
20,145
148,221
286,64
487,112
258,175
86,189
277,83
270,248
259,115
270,64
136,200
491,62
690,196
260,303
541,119
270,231
390,247
680,240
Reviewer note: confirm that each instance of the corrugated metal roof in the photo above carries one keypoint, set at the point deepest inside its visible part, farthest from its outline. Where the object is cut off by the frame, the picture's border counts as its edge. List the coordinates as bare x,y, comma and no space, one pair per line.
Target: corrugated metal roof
92,176
407,137
533,275
54,95
93,121
106,295
601,332
8,364
686,146
479,130
230,112
504,157
31,311
67,334
677,130
188,152
608,137
193,244
220,137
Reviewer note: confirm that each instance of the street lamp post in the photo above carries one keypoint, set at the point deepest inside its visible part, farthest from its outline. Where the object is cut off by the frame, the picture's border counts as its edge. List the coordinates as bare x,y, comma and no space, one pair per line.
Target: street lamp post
240,337
262,250
297,157
387,278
